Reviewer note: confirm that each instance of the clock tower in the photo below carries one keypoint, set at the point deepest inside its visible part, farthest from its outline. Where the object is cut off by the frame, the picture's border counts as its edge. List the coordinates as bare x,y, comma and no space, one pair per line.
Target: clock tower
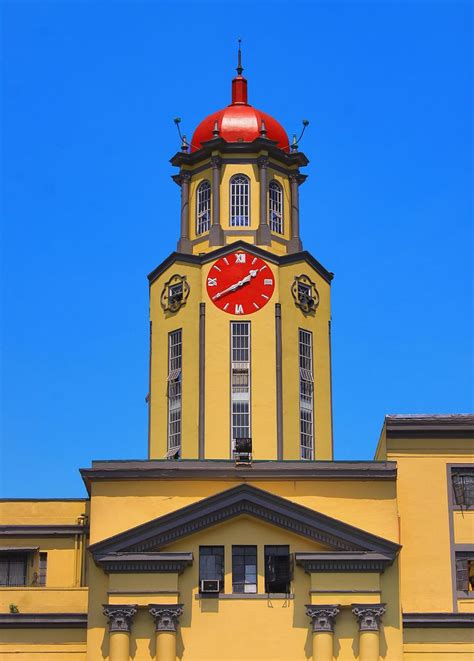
240,360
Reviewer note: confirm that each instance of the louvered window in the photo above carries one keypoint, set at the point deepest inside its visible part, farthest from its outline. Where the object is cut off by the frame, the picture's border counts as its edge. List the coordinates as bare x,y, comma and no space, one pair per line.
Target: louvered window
306,394
275,207
239,201
203,207
175,349
240,380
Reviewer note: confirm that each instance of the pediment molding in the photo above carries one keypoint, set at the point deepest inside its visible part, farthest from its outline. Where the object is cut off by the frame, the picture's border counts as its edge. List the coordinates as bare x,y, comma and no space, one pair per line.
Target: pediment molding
243,500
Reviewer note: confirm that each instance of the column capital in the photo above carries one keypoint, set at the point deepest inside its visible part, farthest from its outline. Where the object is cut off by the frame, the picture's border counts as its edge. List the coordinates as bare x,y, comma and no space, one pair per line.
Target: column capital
166,616
120,616
369,616
322,617
216,162
184,177
263,161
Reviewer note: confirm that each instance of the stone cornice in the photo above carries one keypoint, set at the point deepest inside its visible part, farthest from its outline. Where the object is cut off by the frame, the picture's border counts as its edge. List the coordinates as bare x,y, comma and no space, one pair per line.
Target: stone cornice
409,426
43,531
249,500
438,620
43,620
224,250
227,470
344,562
113,563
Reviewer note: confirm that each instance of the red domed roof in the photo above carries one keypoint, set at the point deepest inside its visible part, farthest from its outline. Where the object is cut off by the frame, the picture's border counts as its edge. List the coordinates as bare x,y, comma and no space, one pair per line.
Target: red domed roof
239,122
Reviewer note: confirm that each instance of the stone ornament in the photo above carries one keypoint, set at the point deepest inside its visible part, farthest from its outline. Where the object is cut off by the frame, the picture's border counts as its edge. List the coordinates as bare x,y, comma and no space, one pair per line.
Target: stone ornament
166,616
322,617
369,616
305,294
175,293
120,617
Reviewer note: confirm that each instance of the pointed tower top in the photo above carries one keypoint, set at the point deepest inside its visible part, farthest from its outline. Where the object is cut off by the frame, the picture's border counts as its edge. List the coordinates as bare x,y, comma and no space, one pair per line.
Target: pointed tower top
239,83
239,60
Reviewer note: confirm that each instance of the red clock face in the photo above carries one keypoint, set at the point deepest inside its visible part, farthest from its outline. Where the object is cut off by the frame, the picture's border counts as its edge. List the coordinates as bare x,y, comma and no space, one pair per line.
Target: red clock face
240,283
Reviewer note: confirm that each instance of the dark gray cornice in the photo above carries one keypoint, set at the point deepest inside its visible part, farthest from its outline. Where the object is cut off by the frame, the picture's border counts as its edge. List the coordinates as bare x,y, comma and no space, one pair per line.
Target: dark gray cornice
144,562
162,469
438,620
43,620
248,500
429,426
43,531
199,260
344,562
223,147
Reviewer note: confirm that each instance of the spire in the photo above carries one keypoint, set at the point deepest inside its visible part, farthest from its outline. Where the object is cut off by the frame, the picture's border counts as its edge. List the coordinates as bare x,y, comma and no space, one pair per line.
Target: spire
239,83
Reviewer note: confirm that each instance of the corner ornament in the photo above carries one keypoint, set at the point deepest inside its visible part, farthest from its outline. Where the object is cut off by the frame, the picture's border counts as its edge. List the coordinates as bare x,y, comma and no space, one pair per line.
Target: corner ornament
369,616
175,293
120,617
166,616
322,617
305,294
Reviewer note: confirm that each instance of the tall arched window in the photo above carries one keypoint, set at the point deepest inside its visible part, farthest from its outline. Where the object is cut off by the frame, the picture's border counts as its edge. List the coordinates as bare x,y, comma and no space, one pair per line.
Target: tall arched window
239,201
275,207
203,207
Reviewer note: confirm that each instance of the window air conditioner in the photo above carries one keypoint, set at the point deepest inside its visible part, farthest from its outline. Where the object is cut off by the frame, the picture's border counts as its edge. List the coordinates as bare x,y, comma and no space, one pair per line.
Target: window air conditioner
209,586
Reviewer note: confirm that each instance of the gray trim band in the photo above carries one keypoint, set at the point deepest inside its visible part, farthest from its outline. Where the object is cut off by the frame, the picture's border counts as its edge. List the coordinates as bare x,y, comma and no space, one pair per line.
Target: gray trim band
438,620
43,621
43,531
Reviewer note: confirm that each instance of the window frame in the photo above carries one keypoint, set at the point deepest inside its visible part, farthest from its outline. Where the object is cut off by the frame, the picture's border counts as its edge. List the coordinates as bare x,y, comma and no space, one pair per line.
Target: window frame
461,557
201,577
306,396
286,554
233,205
244,583
175,393
203,190
458,468
8,557
275,186
240,372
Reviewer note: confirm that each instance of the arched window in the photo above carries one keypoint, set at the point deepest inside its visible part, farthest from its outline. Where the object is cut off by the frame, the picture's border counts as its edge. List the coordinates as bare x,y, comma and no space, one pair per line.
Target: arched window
203,207
239,201
275,207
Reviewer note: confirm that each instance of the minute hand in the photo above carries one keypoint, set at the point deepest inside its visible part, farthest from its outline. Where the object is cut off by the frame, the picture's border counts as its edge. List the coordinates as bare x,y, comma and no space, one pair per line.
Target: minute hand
252,273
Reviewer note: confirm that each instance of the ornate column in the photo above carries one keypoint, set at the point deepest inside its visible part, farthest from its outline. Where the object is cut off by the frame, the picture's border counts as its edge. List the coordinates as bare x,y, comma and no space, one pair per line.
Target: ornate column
166,623
184,244
295,244
216,235
322,620
369,617
263,231
120,623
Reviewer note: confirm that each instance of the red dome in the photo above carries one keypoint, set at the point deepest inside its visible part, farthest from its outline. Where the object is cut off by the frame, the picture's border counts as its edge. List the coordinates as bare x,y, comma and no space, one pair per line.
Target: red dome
240,122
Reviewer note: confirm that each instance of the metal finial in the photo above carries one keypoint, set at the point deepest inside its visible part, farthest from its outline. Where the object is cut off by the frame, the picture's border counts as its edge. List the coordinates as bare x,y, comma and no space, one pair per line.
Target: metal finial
239,60
263,129
215,131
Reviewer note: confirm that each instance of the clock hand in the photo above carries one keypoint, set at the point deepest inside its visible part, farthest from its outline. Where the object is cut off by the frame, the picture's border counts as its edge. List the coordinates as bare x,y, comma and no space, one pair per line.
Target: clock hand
252,273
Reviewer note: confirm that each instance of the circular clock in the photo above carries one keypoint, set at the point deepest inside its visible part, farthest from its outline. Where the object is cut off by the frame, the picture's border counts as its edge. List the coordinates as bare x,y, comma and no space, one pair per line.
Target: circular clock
240,283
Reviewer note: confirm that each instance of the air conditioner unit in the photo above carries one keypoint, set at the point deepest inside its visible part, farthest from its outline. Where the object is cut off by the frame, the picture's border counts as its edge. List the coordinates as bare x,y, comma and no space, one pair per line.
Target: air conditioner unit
209,586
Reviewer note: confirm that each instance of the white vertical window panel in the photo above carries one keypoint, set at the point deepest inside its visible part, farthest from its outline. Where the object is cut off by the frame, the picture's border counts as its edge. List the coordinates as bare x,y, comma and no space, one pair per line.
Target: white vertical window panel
175,355
240,380
239,201
305,351
203,208
275,207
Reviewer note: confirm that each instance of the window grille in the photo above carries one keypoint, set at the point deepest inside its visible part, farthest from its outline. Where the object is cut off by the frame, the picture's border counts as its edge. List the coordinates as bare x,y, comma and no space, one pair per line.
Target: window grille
463,485
240,380
244,569
203,207
239,201
306,394
277,569
13,569
275,207
211,565
464,572
175,350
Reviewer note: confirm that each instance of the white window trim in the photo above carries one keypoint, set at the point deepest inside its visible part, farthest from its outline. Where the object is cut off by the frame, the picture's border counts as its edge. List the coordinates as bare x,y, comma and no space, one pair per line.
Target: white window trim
242,219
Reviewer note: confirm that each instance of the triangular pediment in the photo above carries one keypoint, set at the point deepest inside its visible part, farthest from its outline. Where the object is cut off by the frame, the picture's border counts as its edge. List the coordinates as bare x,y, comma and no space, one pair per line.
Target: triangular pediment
250,501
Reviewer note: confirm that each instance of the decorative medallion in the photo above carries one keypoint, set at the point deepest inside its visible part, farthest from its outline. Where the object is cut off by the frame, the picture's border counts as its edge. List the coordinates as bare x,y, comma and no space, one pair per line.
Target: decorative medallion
175,292
240,283
305,293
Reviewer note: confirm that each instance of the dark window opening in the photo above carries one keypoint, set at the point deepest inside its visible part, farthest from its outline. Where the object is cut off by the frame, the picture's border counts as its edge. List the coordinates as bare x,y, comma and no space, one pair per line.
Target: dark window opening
13,569
211,565
463,485
464,572
277,569
244,569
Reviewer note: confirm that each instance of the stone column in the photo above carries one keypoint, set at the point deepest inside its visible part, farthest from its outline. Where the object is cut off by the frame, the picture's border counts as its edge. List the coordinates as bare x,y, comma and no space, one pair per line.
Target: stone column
295,244
184,244
322,620
120,623
216,235
369,617
263,231
166,623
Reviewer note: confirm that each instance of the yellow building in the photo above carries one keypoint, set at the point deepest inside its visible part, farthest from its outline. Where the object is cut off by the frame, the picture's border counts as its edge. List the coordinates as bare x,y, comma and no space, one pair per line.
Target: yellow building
240,537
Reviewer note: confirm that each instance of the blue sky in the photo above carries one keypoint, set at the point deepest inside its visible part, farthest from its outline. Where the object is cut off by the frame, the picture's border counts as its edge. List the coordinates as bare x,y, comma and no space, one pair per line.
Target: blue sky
90,90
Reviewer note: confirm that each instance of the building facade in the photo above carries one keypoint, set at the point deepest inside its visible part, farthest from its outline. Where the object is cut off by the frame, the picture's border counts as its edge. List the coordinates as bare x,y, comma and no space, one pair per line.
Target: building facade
240,537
